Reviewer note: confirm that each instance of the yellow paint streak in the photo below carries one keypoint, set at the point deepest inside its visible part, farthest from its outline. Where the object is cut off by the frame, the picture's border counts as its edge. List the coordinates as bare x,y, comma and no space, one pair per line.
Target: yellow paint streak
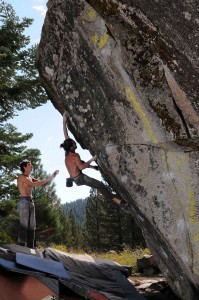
192,218
192,211
141,114
193,221
103,40
192,215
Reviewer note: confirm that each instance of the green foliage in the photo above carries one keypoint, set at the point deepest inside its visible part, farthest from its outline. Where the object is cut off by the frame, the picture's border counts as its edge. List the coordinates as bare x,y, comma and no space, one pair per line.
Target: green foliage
12,151
60,247
6,207
19,89
20,86
64,236
8,221
5,238
94,219
76,238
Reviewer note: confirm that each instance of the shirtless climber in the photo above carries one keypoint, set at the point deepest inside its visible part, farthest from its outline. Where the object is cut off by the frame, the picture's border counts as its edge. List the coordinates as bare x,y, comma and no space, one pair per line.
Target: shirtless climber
75,166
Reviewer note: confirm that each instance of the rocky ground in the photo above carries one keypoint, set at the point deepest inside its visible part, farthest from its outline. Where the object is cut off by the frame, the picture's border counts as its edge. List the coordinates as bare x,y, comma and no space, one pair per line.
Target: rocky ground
153,287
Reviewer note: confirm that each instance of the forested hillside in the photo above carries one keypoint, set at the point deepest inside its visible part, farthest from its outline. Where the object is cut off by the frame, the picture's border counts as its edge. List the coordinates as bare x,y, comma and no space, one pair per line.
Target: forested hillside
78,207
102,225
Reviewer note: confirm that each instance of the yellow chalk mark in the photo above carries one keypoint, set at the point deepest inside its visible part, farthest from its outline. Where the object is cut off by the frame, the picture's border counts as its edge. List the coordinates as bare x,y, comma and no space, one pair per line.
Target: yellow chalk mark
182,161
94,38
91,13
141,114
103,40
121,87
196,238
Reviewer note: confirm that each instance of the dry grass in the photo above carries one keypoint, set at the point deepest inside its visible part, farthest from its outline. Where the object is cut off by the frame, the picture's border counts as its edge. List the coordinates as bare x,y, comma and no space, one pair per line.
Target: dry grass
125,258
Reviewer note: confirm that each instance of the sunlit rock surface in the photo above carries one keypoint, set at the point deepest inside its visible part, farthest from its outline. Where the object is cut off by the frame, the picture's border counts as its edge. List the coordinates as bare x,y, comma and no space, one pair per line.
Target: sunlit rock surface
127,73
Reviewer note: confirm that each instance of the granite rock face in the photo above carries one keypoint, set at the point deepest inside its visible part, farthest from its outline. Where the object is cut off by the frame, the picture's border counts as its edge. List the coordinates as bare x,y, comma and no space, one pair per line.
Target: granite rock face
127,73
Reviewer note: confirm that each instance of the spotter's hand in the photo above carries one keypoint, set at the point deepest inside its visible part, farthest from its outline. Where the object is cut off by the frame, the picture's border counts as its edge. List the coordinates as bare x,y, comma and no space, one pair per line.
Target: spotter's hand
55,173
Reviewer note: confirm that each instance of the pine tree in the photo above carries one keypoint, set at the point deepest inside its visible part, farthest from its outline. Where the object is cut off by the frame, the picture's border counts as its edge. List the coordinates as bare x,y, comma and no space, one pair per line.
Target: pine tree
107,227
73,241
112,227
131,232
20,89
20,86
64,235
80,238
94,216
8,222
12,151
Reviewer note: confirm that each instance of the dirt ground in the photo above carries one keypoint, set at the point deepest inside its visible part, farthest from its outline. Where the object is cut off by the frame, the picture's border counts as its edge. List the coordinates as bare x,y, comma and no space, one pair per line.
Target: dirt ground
153,287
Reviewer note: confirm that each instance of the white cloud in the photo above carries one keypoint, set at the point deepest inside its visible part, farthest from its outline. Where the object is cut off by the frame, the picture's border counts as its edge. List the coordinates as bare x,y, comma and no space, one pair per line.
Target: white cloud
41,9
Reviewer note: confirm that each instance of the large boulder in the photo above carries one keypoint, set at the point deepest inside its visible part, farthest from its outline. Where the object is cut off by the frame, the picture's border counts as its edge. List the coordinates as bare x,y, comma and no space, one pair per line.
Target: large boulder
127,73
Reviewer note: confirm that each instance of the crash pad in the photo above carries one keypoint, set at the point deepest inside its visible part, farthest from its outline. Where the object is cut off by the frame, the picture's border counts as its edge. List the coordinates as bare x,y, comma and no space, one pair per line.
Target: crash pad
50,267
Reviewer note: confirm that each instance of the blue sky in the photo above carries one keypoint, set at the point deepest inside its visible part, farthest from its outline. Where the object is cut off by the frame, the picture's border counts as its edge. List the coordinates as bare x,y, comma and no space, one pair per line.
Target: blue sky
46,122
